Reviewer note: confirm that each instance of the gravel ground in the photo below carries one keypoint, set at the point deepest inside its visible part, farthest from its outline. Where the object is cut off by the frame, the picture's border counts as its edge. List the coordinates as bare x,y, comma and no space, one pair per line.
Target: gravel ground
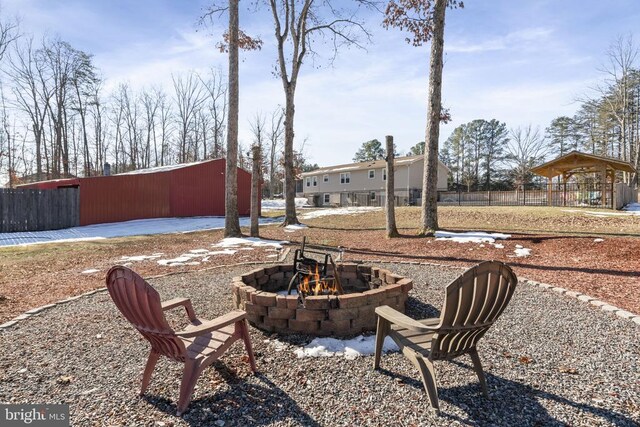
550,360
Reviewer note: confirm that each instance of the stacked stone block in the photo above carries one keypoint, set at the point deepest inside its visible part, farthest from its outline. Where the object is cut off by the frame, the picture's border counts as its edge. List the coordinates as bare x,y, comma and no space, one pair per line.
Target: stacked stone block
340,315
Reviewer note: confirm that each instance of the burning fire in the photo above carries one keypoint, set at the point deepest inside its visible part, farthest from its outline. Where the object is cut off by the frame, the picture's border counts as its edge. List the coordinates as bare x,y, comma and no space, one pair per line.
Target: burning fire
314,284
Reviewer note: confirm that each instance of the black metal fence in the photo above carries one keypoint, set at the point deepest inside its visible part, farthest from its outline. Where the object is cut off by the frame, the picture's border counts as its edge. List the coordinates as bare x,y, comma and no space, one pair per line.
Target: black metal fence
556,194
37,210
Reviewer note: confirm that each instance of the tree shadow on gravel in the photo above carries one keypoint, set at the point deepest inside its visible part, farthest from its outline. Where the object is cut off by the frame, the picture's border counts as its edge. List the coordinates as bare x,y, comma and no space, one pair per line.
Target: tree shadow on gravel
510,403
258,402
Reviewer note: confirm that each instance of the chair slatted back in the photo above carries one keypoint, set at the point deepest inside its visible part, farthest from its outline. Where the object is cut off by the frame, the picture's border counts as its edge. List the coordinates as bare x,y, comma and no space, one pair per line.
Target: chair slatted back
140,304
472,304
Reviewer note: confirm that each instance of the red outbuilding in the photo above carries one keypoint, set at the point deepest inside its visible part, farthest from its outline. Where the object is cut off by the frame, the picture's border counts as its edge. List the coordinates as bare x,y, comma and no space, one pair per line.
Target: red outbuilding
193,189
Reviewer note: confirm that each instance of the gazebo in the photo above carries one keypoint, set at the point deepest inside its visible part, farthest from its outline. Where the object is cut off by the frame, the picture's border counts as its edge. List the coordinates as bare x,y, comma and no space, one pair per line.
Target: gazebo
576,162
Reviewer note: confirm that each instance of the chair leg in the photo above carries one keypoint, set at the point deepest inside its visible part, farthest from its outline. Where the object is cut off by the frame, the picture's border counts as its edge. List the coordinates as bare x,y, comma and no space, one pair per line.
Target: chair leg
148,370
244,333
477,366
428,380
381,332
189,379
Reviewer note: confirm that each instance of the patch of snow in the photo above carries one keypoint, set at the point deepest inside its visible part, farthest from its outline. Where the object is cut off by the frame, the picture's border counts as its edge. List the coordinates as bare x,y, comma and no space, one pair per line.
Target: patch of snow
90,271
520,252
294,227
350,349
232,242
519,246
222,252
598,240
272,256
498,245
199,251
470,236
339,211
137,258
181,259
279,204
123,229
632,207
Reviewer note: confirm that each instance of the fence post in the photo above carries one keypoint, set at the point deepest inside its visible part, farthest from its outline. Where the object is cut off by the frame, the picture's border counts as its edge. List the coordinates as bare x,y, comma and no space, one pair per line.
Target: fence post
489,194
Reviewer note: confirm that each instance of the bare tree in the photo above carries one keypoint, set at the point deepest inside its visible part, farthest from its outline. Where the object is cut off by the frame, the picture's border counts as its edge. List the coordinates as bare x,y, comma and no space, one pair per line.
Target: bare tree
425,20
217,106
276,132
526,150
256,178
617,92
392,229
297,22
26,73
231,216
189,97
150,103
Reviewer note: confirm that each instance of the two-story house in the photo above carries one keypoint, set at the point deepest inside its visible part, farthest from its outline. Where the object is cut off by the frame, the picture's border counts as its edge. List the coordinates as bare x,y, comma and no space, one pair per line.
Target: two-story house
363,184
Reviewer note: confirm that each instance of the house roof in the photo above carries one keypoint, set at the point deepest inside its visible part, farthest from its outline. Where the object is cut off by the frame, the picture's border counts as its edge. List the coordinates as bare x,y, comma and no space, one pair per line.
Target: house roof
373,164
576,161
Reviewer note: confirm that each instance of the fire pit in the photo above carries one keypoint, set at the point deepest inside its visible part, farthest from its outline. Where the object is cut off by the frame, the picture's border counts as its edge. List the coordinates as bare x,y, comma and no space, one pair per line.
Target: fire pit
333,299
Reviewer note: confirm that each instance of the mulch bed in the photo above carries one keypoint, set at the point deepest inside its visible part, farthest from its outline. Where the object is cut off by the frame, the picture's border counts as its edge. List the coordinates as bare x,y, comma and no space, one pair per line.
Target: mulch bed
607,270
37,275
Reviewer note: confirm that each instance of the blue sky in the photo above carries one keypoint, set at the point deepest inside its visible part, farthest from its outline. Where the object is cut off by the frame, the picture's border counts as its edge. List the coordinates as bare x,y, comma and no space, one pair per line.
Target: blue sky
520,62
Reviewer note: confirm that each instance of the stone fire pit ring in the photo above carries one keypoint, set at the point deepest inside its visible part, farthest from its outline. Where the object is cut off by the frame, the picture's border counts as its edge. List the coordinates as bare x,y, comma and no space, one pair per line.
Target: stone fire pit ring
261,293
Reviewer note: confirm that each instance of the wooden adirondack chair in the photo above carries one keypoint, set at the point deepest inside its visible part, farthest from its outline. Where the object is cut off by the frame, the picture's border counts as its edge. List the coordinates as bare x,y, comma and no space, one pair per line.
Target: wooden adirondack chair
197,346
473,302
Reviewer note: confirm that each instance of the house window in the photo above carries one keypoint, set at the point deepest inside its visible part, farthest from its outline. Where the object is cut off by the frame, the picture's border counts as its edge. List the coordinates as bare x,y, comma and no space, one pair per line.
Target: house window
384,174
373,195
325,178
327,198
345,178
315,181
308,182
372,173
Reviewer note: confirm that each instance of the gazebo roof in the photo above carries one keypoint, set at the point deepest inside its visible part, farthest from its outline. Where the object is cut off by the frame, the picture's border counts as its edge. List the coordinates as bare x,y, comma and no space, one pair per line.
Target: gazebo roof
576,161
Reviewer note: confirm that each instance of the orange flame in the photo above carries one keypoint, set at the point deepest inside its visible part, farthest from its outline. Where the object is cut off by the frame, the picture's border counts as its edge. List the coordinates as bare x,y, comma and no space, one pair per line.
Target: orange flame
313,284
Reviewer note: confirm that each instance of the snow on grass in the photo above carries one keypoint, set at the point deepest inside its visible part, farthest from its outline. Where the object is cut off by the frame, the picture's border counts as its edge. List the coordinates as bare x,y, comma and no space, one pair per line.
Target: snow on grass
521,251
471,237
598,240
629,210
90,271
295,227
233,242
350,349
339,211
279,204
633,208
137,258
123,229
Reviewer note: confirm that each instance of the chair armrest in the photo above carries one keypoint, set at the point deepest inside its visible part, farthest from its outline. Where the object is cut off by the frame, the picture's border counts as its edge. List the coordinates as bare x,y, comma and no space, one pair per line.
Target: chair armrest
177,302
212,325
397,318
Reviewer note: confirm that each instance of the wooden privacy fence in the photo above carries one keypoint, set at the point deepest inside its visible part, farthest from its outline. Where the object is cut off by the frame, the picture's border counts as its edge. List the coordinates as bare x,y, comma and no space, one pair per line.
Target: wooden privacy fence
38,210
557,194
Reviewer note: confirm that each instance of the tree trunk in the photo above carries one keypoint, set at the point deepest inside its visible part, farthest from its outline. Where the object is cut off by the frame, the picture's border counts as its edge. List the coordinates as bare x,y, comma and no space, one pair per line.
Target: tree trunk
392,230
289,173
430,179
255,189
232,221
